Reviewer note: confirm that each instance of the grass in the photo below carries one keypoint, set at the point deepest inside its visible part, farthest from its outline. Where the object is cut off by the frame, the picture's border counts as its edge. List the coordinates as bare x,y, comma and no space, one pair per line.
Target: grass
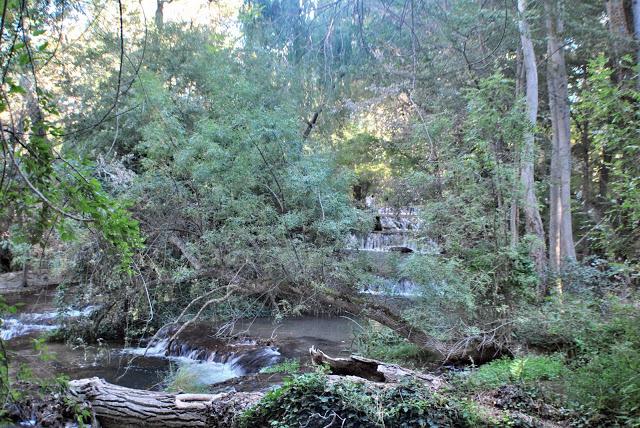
184,381
526,369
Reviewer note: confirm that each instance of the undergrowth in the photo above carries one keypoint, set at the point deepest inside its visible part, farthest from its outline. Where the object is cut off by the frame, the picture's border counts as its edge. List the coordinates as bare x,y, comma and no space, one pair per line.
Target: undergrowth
531,368
311,400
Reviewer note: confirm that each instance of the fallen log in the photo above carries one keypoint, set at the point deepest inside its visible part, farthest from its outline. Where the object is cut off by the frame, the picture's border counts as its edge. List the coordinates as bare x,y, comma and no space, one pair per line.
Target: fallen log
117,406
373,370
475,350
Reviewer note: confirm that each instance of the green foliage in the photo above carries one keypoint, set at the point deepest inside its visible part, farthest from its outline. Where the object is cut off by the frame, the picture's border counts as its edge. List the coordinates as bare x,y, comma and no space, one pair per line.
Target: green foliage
43,184
605,379
289,367
6,390
79,411
608,384
603,340
527,369
312,401
226,167
184,380
606,112
306,399
478,274
381,343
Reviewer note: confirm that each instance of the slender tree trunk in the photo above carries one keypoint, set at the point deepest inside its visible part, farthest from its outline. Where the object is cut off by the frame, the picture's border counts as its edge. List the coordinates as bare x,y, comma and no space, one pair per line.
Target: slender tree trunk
533,221
636,35
514,212
159,18
561,246
603,177
621,37
590,207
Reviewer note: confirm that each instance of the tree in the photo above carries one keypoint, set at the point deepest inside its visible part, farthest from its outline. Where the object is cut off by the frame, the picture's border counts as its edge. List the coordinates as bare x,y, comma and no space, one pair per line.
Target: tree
533,221
561,246
43,184
636,33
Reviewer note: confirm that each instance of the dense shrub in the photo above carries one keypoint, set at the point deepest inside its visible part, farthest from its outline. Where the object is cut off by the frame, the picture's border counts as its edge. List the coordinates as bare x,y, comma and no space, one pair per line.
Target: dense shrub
606,379
526,369
601,338
310,400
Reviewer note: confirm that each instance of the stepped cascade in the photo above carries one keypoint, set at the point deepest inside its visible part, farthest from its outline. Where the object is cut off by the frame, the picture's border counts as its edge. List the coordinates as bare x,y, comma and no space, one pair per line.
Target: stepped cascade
396,230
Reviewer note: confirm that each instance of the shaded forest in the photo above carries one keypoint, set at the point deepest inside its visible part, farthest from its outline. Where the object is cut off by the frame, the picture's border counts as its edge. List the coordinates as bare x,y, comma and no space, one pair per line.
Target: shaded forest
459,179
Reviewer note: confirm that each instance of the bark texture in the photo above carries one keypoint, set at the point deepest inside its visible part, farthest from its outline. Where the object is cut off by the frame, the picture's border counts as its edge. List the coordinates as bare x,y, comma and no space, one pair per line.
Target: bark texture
636,33
619,26
561,246
117,406
533,221
621,35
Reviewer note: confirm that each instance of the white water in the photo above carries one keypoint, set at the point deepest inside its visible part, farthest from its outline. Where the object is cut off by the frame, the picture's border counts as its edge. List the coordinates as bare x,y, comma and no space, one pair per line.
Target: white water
26,323
209,371
397,230
388,287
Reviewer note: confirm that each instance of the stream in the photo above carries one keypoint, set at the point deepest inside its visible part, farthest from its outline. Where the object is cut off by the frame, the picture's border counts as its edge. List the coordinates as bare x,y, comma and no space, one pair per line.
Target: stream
148,367
199,354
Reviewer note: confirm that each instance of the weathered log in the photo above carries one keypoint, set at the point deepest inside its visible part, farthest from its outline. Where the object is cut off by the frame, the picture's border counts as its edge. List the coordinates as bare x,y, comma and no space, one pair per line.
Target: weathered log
373,370
117,406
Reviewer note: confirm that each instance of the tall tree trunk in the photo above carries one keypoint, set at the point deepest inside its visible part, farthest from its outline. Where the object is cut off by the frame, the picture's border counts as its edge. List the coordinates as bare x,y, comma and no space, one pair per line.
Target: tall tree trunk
603,177
621,37
159,18
533,221
592,211
636,34
561,246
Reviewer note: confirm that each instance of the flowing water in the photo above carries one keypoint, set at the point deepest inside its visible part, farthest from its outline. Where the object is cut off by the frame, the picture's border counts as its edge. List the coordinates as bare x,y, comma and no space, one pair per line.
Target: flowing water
201,355
147,367
396,235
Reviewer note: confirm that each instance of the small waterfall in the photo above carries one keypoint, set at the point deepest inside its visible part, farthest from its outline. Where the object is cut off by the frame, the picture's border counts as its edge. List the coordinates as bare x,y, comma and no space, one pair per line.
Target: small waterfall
389,241
27,323
389,287
215,363
395,230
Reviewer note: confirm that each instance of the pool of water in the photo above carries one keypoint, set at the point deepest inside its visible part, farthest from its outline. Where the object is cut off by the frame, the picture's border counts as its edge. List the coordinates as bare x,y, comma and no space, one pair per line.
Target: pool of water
148,368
